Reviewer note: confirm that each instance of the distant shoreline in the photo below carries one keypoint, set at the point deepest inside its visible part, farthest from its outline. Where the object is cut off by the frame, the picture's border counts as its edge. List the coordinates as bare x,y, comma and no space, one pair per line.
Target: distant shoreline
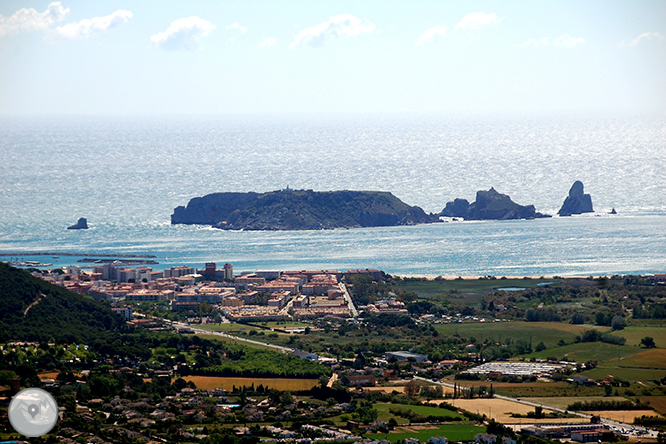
56,253
490,277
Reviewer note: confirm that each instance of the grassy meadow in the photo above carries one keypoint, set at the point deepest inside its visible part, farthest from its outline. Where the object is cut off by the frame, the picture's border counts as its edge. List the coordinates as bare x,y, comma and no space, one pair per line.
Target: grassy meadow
455,432
430,288
550,333
384,414
588,351
634,334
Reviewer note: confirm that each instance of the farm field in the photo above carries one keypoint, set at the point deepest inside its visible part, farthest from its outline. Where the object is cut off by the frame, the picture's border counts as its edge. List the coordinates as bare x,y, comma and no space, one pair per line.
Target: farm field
550,333
588,351
431,288
500,410
230,340
212,382
534,389
627,373
562,402
228,328
653,358
457,432
634,334
282,324
626,416
656,402
399,389
384,414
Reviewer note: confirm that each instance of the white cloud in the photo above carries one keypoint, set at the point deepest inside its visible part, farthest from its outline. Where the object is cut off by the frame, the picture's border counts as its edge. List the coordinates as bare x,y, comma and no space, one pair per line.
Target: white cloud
476,20
270,41
430,34
339,26
534,42
567,41
645,36
89,27
183,34
242,29
28,19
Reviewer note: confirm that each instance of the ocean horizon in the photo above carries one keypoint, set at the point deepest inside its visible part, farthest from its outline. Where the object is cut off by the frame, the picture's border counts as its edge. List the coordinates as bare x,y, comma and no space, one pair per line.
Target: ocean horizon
126,175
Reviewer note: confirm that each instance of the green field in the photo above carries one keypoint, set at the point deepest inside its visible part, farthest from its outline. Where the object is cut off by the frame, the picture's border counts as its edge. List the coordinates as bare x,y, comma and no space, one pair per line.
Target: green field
654,358
384,414
549,333
548,389
627,373
588,351
229,340
634,334
228,328
430,288
457,432
282,324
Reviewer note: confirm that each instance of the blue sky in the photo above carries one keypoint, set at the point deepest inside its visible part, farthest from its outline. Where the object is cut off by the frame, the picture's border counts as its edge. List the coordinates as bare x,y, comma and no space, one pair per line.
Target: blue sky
209,57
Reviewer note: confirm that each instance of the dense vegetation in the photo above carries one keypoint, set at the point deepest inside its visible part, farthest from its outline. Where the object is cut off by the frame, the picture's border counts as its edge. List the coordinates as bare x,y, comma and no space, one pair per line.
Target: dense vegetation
300,210
607,405
239,361
35,310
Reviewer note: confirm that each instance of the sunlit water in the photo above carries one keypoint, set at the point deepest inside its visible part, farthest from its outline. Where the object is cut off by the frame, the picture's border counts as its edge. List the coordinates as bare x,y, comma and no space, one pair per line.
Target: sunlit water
126,176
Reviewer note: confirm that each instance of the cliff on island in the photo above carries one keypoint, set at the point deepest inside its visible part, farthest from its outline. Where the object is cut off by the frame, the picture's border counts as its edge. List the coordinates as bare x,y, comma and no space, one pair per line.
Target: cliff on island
490,205
577,202
300,210
82,224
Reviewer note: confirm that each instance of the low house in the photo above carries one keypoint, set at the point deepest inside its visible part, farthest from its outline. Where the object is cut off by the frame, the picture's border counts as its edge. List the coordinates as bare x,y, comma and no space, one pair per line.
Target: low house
485,438
406,356
597,435
586,436
304,355
359,380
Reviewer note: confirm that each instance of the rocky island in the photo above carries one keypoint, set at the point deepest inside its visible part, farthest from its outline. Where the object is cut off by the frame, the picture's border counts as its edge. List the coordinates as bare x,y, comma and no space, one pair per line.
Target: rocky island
577,202
490,205
300,210
82,224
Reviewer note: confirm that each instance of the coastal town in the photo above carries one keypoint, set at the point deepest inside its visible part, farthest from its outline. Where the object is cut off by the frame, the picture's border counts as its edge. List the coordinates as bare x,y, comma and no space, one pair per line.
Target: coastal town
249,296
351,388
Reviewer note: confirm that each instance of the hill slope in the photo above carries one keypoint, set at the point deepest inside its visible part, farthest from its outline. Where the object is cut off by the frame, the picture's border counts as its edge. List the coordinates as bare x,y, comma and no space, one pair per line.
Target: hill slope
300,210
54,312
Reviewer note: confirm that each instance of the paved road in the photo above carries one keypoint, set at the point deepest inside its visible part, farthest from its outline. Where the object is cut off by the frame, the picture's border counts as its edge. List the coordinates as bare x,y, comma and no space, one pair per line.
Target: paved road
285,310
348,299
235,338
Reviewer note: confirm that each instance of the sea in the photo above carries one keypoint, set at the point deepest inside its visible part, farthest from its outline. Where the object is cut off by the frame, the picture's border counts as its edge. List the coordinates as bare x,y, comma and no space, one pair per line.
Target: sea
127,174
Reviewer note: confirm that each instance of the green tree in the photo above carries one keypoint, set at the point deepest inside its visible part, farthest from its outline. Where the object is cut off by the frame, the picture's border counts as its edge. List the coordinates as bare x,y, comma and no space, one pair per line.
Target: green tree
648,342
412,388
608,390
578,318
367,414
617,323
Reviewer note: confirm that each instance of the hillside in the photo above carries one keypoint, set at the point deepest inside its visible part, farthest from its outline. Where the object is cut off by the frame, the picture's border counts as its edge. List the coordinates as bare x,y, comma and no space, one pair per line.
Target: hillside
55,313
299,210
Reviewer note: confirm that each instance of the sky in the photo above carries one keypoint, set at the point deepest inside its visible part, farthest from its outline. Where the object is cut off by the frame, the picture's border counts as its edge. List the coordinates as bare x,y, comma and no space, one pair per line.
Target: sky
121,57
